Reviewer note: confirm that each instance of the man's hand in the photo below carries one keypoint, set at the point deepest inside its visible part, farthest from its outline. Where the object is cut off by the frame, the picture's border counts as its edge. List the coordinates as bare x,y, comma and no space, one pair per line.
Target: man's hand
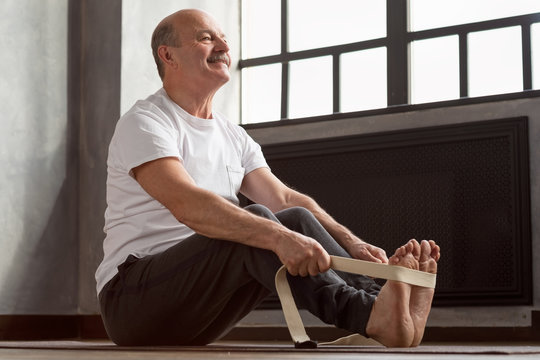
364,251
302,255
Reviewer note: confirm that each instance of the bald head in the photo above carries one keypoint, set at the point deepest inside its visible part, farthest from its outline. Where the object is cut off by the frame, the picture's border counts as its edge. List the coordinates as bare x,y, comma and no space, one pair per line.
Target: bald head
166,32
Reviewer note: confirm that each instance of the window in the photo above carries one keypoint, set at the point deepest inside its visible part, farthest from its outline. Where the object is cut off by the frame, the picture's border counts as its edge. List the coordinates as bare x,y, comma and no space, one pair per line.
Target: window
310,87
261,93
320,23
535,41
429,14
495,63
261,28
363,80
305,58
435,69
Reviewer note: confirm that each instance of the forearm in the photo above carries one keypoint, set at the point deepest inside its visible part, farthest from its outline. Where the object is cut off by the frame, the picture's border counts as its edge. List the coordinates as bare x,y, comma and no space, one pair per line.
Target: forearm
263,187
340,233
215,217
355,246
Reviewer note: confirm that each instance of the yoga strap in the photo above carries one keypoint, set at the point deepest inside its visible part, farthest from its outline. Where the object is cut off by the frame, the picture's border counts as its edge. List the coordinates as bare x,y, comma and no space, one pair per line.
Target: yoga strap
376,270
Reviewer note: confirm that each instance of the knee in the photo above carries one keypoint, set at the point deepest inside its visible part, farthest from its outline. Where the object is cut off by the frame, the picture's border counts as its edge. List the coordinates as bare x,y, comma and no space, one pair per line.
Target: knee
297,218
260,210
299,213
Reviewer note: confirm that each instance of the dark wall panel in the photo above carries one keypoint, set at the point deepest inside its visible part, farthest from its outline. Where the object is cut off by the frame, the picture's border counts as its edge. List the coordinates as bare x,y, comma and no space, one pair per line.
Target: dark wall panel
465,186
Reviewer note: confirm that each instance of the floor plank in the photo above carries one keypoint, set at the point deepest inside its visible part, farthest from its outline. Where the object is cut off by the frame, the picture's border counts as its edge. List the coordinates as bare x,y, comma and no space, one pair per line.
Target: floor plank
89,350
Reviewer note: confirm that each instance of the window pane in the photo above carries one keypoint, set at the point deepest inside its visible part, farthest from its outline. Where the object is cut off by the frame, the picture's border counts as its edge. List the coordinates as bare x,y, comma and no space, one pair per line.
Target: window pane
261,93
435,69
320,23
495,65
261,28
428,14
310,87
363,80
535,43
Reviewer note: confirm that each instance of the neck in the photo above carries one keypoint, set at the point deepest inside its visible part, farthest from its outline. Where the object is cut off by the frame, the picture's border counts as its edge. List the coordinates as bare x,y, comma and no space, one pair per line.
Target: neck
196,101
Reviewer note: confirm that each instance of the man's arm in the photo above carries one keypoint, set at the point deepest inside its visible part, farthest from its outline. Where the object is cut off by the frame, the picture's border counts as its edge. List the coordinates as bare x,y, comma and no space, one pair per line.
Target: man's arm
263,187
208,214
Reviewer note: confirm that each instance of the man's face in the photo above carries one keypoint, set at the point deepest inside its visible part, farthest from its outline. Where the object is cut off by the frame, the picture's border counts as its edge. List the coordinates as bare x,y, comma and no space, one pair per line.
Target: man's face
204,53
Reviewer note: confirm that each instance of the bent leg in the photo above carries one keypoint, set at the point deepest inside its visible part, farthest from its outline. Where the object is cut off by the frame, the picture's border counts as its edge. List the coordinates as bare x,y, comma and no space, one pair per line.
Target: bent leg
303,221
191,293
338,298
196,290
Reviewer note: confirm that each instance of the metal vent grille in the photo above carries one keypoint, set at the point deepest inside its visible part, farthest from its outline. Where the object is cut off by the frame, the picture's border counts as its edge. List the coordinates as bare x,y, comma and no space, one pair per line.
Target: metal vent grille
466,186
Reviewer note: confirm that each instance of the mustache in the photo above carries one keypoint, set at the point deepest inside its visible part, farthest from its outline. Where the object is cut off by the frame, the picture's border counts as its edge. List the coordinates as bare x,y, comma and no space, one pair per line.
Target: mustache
219,57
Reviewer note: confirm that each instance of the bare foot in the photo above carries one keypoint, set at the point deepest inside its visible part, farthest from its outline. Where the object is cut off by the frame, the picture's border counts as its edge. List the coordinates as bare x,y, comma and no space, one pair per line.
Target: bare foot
390,322
421,297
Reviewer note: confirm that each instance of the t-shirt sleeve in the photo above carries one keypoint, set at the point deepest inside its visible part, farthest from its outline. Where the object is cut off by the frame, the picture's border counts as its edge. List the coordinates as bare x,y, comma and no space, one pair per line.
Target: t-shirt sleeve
140,138
252,155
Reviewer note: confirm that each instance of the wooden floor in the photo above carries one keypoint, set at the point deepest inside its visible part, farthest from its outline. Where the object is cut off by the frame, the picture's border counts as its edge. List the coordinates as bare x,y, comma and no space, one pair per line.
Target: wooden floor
87,350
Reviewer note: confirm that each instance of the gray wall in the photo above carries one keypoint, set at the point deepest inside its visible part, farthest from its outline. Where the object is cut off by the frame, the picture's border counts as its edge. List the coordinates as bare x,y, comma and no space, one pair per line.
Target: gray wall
39,248
60,91
96,74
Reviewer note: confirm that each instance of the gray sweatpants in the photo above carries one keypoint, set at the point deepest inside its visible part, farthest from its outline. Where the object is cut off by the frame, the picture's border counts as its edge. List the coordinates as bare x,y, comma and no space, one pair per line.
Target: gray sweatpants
195,291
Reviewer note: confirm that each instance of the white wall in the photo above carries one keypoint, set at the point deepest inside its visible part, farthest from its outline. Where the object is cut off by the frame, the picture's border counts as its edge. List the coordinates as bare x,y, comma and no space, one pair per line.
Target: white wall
38,272
139,74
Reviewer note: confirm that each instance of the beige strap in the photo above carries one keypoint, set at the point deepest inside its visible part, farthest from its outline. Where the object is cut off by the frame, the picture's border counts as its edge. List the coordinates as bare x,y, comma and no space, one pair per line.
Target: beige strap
382,271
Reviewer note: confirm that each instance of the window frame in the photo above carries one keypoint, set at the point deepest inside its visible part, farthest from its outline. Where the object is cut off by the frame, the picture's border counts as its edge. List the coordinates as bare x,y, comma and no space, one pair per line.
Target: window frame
397,42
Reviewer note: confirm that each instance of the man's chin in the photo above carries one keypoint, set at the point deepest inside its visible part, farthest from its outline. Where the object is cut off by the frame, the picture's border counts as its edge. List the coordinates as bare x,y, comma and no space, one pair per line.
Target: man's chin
225,76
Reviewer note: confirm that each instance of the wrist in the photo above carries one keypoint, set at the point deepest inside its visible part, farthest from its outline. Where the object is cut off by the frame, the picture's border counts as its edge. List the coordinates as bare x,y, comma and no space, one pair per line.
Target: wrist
350,241
277,235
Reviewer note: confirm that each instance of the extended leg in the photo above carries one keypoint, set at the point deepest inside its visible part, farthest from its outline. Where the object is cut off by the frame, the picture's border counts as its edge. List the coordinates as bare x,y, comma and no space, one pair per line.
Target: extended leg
421,298
400,311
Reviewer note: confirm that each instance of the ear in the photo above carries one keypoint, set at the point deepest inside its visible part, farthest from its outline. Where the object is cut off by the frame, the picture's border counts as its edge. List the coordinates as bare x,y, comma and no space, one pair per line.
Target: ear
166,56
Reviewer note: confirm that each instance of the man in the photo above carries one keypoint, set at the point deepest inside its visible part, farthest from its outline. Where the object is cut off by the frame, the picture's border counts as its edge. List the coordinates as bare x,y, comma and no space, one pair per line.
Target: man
183,263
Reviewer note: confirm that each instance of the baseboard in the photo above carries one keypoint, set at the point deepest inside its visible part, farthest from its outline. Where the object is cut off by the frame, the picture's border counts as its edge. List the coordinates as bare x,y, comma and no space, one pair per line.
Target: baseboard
51,327
56,327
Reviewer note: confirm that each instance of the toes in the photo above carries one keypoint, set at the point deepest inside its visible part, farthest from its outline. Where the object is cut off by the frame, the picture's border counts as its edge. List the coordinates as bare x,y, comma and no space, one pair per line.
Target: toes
394,260
425,251
411,247
400,251
415,249
413,242
435,250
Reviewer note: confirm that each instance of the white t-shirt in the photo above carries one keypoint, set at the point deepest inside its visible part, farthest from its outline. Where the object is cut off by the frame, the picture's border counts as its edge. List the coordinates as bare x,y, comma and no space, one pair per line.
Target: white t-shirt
216,153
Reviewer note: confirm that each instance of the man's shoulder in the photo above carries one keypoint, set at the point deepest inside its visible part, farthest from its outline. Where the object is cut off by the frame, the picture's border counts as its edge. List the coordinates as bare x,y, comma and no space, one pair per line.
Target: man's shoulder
155,103
155,108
